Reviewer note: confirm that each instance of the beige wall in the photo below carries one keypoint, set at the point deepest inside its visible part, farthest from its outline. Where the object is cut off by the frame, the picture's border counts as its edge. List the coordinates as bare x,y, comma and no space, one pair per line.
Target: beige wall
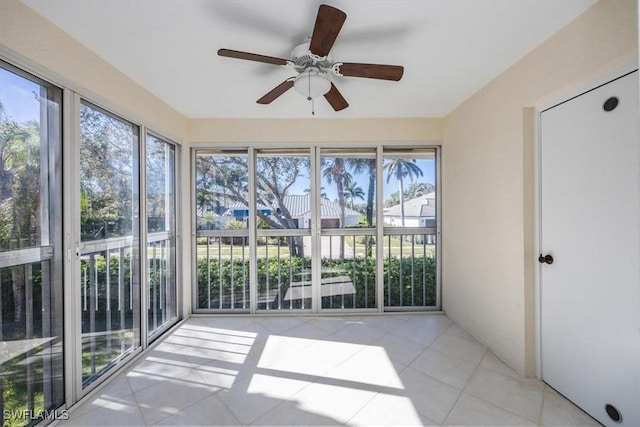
39,45
315,130
28,34
488,197
488,178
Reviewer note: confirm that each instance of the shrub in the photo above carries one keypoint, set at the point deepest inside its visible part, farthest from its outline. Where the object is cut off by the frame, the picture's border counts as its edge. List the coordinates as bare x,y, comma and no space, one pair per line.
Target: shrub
369,240
235,225
407,281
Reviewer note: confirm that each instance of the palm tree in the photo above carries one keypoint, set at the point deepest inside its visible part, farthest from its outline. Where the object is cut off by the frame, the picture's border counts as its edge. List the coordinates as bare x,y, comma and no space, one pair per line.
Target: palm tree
401,169
336,171
360,165
323,194
19,195
353,191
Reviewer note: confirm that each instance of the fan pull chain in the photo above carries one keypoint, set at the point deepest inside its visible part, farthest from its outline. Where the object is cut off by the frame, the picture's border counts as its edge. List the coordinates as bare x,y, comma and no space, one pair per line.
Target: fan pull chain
309,98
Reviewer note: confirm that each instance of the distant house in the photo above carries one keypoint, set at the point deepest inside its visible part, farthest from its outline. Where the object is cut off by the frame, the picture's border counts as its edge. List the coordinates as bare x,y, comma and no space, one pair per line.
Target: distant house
239,211
418,212
299,207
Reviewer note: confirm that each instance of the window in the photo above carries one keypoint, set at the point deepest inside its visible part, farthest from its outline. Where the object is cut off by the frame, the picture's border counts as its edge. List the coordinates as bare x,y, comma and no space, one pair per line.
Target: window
110,249
283,205
106,285
222,236
300,229
410,228
161,234
31,316
347,228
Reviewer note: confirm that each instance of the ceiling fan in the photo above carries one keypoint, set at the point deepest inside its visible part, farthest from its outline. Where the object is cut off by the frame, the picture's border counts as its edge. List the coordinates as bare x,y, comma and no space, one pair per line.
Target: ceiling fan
312,63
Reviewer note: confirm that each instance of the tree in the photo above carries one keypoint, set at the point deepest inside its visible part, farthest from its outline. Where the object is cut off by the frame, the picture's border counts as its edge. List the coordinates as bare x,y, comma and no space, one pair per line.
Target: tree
400,169
353,191
416,189
108,167
160,160
358,166
224,180
323,194
19,196
336,171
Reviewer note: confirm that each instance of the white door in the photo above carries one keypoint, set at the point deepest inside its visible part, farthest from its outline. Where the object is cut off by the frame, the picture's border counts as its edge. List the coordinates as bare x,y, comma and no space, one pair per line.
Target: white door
590,226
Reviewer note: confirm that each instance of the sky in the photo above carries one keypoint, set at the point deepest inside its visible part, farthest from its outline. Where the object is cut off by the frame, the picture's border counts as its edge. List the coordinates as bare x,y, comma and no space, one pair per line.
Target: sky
20,103
17,97
427,166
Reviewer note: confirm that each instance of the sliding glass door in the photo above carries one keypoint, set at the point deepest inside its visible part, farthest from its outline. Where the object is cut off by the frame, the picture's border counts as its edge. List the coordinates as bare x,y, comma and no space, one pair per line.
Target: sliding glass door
222,233
73,284
308,229
161,234
347,229
283,236
31,316
110,240
410,233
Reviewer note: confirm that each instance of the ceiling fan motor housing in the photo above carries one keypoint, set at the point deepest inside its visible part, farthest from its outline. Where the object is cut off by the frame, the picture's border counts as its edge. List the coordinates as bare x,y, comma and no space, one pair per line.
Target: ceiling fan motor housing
302,58
312,63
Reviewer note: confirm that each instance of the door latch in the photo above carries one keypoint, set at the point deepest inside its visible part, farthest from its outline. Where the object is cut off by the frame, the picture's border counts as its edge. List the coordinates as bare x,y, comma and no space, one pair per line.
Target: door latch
548,259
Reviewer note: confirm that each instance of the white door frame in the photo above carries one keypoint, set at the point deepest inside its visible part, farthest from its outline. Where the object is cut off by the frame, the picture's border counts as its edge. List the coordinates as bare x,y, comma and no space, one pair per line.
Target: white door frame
579,89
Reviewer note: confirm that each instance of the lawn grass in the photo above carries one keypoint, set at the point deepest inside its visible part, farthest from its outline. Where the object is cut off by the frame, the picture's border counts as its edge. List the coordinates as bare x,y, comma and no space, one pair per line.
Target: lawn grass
226,251
394,247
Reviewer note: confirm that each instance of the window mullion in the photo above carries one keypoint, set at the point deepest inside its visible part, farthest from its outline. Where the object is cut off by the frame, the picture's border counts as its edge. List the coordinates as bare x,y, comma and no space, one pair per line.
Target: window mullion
253,240
143,224
379,229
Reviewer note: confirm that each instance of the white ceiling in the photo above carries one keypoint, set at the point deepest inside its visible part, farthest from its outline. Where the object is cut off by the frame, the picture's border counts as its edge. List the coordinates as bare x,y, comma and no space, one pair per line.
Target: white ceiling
450,49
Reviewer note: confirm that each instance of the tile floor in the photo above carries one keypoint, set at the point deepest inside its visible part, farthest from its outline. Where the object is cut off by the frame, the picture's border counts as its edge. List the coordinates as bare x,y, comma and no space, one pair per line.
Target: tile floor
367,370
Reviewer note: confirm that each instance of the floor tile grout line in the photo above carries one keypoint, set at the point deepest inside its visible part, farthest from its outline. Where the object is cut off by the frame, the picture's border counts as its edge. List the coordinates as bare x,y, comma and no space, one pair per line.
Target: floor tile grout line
283,401
133,395
433,378
362,407
544,398
490,403
380,328
518,378
215,393
412,342
318,376
477,365
457,358
462,391
316,381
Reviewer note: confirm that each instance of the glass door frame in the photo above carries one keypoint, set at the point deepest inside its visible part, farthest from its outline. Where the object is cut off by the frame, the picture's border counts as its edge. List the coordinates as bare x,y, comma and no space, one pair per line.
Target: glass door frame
72,100
47,250
175,238
74,243
316,231
342,232
301,232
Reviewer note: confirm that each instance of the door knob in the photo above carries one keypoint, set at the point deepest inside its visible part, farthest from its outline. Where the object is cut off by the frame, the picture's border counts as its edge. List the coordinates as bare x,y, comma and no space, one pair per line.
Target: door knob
545,259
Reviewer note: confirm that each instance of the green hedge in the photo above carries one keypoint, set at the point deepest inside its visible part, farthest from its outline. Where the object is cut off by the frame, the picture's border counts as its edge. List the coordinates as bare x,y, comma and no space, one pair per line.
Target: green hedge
411,281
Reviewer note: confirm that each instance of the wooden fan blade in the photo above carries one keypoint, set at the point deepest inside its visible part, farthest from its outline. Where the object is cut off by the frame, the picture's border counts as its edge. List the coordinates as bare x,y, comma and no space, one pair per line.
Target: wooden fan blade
328,24
372,71
336,99
276,92
251,57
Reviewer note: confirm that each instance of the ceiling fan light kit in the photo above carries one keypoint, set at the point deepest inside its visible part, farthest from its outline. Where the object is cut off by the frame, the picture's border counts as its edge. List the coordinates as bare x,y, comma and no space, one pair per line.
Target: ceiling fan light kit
312,84
312,63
